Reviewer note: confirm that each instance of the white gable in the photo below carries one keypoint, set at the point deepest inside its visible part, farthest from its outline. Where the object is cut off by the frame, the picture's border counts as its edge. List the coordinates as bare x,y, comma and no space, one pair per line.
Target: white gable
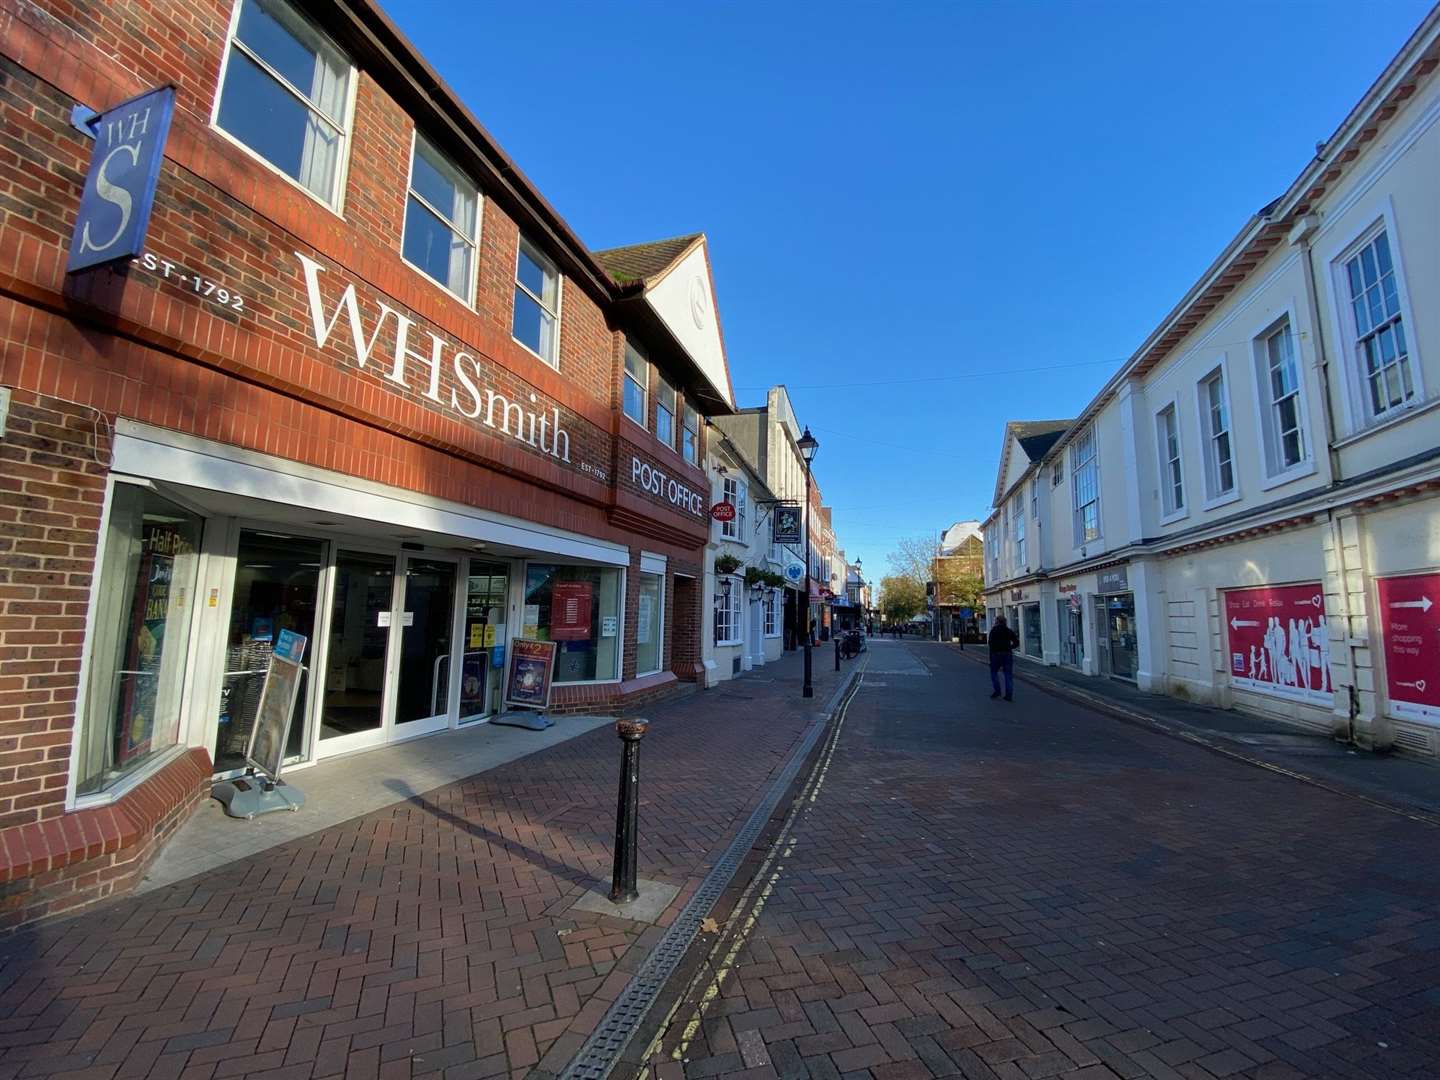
1016,462
683,301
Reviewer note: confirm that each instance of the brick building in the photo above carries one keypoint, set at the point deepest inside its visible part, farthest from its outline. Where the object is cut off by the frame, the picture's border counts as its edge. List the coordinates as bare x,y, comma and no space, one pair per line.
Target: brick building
362,383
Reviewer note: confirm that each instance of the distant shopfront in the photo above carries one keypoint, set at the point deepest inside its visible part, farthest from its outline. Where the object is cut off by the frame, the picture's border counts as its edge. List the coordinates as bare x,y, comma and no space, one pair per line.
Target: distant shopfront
1115,630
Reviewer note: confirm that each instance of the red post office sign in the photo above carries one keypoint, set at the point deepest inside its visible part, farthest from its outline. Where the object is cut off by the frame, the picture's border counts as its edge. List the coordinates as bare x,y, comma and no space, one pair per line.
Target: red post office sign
1410,629
1278,642
723,511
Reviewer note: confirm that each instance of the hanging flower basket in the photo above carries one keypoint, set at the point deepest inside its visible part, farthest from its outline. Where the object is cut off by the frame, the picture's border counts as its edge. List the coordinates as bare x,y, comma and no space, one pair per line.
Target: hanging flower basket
726,564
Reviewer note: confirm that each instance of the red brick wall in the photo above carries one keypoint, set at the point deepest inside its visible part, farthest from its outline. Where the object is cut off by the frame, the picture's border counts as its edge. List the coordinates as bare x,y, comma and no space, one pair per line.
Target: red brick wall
53,460
132,343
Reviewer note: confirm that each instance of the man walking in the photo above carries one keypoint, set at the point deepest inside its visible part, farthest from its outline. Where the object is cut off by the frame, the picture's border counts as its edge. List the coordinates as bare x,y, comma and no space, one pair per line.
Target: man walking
1003,642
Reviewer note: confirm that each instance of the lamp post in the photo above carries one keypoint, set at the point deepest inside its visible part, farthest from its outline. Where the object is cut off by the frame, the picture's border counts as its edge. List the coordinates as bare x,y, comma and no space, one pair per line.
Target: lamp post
808,447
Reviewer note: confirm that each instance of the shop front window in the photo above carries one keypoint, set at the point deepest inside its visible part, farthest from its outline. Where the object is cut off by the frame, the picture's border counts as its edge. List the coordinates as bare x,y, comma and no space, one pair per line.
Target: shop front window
650,624
578,608
1033,643
145,599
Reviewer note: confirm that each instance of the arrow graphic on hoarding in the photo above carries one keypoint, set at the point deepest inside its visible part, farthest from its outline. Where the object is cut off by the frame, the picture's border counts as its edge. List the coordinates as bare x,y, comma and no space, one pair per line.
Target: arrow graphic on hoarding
1235,624
1423,603
1418,684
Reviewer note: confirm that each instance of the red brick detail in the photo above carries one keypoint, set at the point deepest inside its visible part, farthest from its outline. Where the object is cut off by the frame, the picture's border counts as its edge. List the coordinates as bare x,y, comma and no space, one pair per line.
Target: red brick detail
79,858
629,694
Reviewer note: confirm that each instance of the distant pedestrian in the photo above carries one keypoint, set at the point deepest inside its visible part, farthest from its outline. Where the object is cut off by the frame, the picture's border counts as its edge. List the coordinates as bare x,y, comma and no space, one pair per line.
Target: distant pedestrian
1003,643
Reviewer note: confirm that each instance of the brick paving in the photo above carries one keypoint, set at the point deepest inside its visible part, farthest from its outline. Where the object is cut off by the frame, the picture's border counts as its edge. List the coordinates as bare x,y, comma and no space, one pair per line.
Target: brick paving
1027,890
431,938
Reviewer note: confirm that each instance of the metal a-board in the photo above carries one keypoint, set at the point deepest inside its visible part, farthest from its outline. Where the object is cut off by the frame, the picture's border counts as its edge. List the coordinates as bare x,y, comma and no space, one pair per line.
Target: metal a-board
260,790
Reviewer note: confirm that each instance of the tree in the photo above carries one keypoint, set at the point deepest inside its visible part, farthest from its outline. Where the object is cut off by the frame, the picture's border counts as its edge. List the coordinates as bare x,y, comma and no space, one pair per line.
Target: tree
901,598
957,578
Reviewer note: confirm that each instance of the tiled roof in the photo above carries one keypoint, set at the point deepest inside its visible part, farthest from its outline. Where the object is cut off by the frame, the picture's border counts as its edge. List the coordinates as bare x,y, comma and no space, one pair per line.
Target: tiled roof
641,262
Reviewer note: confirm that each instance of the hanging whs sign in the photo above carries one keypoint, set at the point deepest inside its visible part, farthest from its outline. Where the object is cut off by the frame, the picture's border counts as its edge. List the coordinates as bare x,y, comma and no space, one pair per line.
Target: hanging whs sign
723,511
119,188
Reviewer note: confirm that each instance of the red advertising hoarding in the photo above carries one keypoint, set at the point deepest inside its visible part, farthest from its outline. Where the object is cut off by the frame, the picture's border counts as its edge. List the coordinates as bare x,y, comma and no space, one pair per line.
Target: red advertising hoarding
1278,643
570,611
1410,621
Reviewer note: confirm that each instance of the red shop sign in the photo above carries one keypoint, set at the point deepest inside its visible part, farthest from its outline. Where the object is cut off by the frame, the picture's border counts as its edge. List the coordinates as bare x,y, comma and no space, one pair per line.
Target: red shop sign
1410,621
570,611
723,511
1278,643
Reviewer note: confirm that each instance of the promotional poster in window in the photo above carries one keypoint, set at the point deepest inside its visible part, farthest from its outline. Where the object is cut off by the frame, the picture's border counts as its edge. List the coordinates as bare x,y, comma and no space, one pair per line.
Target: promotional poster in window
1410,617
1278,642
527,683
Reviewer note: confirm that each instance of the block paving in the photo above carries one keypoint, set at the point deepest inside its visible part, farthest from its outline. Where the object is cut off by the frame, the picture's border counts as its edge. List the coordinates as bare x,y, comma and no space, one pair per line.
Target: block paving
431,938
993,890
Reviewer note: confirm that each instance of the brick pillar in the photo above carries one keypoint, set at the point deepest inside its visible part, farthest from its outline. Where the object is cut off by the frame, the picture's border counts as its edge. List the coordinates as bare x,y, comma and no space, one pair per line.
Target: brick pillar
685,659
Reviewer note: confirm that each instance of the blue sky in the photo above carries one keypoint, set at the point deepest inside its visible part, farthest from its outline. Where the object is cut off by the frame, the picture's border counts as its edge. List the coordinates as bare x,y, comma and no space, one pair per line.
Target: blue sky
925,219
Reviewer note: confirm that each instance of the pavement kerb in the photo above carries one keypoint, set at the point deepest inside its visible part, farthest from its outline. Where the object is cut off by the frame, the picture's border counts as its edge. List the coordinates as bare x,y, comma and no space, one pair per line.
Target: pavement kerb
1187,733
633,1004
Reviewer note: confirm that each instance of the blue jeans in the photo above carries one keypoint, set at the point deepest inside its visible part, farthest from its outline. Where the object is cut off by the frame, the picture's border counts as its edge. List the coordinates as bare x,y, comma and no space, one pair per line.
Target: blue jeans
1005,662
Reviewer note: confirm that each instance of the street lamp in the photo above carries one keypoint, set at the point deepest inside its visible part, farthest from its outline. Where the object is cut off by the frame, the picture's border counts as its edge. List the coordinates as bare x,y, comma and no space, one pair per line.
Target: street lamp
808,448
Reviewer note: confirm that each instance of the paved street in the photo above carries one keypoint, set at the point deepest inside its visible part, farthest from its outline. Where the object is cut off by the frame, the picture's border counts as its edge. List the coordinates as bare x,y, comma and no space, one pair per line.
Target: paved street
985,889
434,937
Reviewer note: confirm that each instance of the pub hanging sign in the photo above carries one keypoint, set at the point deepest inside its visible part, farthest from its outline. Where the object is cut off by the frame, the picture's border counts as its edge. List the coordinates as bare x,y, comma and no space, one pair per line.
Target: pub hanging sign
786,525
120,186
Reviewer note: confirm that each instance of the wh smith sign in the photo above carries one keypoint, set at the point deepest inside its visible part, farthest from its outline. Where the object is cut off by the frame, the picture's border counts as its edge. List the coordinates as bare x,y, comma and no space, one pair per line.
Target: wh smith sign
120,186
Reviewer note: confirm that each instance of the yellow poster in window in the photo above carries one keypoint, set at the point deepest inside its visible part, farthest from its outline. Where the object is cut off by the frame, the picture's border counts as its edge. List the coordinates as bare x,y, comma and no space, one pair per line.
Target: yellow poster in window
489,636
477,633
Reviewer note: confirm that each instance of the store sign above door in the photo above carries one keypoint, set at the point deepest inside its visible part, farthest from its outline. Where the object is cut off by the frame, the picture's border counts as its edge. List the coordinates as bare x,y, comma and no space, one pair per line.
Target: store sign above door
1114,580
414,362
120,186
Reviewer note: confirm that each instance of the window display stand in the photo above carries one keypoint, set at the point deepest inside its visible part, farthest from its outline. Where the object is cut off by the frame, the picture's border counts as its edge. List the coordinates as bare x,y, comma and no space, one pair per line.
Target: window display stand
253,794
524,718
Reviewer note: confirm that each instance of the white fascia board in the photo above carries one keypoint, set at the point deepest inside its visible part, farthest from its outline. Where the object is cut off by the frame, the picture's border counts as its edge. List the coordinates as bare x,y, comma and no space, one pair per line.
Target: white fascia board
158,454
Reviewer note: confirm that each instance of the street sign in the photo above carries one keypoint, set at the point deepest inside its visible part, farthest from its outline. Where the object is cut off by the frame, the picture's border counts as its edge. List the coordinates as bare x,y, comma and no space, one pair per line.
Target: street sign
723,511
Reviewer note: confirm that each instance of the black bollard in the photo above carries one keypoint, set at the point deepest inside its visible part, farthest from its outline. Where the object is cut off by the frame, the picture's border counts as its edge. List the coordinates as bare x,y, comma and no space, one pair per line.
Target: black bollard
837,652
622,878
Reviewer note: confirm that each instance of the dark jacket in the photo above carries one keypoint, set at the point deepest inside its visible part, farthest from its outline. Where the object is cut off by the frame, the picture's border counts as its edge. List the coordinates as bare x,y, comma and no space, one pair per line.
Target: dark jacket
1003,639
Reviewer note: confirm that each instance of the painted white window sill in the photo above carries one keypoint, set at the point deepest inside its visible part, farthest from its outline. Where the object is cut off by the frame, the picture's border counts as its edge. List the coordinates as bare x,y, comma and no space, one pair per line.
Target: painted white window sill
1221,500
332,205
632,419
1387,422
469,304
1172,518
1297,472
126,784
554,365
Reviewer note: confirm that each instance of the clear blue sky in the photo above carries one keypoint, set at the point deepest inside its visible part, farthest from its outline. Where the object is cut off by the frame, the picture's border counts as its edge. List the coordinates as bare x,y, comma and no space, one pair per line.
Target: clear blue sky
895,193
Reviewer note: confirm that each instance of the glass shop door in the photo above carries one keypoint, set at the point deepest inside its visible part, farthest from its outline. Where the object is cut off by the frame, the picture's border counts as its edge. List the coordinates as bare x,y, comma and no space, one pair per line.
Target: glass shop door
277,586
354,707
426,646
484,638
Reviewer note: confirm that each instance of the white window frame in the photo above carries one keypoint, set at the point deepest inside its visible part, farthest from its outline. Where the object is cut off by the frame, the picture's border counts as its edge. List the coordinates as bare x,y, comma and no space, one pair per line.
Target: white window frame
468,298
1358,414
336,202
735,491
538,256
686,411
674,410
1214,496
659,624
1265,408
626,377
1019,518
772,613
1035,496
1171,508
729,597
1077,508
